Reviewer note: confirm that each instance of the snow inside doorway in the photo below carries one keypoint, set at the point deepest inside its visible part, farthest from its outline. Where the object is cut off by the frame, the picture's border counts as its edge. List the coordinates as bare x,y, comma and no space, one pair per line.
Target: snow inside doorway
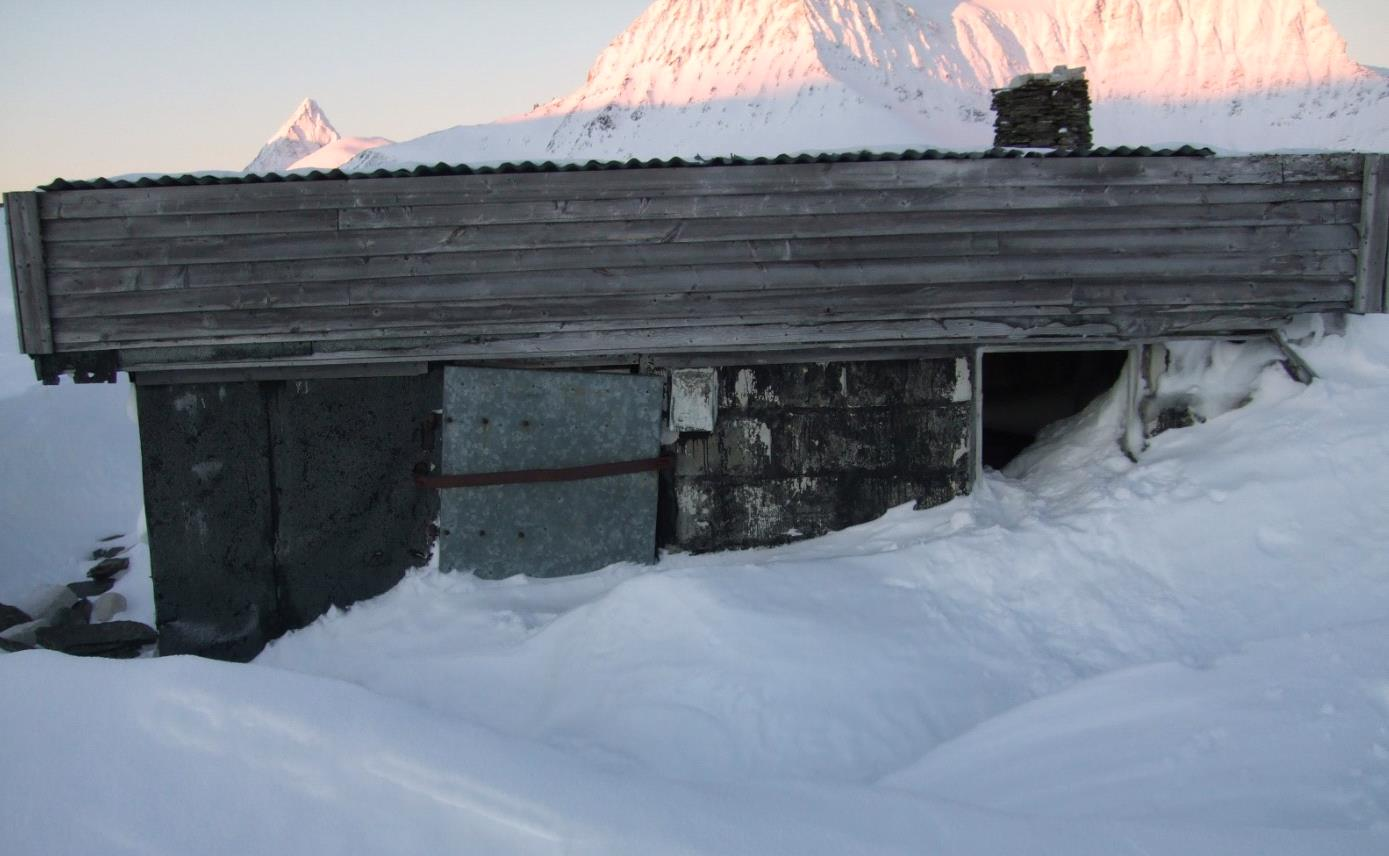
1022,392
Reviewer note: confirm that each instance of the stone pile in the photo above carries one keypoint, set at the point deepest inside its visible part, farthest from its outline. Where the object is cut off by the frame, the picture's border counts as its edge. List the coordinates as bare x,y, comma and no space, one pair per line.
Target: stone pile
77,618
1044,111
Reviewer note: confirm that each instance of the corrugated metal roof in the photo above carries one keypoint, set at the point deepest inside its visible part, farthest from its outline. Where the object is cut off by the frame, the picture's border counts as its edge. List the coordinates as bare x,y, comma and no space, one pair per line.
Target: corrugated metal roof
598,166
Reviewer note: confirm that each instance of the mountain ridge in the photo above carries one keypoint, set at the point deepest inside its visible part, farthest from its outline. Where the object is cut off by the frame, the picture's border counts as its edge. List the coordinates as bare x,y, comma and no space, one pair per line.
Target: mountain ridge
762,77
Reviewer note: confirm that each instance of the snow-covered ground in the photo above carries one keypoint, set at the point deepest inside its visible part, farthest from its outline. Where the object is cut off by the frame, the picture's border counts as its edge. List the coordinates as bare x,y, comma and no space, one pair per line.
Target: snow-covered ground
69,474
1188,654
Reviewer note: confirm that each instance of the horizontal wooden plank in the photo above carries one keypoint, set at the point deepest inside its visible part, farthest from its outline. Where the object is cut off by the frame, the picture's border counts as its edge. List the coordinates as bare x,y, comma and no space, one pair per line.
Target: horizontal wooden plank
929,227
586,210
638,304
419,324
159,360
445,190
644,268
190,225
789,338
1130,294
716,335
250,248
800,205
714,338
547,211
1334,166
484,318
822,301
897,348
165,376
700,279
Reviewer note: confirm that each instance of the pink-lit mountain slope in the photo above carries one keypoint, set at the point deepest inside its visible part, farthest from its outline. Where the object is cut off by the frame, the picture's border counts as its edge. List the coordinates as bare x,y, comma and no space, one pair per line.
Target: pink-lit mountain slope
308,140
756,77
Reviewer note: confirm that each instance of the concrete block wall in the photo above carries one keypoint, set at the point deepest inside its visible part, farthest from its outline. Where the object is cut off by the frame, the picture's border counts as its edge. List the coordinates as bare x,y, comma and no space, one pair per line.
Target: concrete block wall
803,449
268,503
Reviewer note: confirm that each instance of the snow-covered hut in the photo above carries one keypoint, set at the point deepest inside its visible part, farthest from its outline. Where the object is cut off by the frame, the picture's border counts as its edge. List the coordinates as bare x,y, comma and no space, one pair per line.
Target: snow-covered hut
547,368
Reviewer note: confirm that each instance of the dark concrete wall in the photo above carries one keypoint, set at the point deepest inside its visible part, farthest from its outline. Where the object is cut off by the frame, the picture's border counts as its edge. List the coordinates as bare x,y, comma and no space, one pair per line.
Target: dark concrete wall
800,450
205,450
350,519
268,503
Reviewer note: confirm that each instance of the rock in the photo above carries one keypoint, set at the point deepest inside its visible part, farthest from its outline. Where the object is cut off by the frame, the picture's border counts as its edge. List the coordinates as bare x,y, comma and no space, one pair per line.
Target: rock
12,646
108,568
1171,418
108,606
77,614
121,639
91,588
52,601
12,615
109,538
106,553
23,634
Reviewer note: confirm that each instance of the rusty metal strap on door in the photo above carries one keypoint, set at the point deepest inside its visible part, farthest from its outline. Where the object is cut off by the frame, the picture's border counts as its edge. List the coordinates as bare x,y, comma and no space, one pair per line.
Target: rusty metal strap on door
561,474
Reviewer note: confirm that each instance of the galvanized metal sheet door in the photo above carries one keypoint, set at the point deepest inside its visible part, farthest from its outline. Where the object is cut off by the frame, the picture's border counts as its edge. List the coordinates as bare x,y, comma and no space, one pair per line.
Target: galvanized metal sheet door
498,420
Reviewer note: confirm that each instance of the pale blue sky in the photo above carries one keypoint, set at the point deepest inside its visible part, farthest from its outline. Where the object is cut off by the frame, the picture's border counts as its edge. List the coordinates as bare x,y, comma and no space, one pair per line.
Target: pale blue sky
102,88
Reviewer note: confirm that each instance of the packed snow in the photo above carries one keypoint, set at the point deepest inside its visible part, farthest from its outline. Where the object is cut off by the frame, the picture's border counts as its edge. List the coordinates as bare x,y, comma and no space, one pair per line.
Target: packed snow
1184,654
766,77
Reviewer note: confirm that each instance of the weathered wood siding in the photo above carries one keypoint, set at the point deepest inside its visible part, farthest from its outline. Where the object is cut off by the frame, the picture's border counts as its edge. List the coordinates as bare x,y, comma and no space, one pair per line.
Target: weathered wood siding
27,272
702,260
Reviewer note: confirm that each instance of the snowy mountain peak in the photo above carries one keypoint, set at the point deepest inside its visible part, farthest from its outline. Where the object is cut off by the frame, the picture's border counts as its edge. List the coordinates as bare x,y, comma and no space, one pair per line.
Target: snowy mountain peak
762,77
686,52
305,131
308,123
683,51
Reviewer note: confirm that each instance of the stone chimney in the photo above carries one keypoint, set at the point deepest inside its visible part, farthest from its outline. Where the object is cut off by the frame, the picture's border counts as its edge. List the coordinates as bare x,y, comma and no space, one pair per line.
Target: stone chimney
1044,111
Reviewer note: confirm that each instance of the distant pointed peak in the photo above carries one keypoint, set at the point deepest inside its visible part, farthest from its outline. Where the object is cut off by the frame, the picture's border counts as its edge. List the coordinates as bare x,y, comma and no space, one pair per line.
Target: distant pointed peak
308,123
305,131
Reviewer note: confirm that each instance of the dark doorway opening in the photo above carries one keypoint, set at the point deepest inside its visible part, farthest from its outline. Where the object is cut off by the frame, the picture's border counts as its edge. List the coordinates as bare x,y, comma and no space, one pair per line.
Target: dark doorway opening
1025,391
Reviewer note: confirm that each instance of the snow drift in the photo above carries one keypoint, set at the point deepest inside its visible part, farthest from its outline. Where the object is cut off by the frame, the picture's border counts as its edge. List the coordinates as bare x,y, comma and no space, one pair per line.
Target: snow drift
1183,654
762,77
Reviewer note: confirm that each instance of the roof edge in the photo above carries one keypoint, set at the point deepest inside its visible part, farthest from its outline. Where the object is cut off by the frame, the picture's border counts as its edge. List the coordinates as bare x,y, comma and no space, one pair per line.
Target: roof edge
190,180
